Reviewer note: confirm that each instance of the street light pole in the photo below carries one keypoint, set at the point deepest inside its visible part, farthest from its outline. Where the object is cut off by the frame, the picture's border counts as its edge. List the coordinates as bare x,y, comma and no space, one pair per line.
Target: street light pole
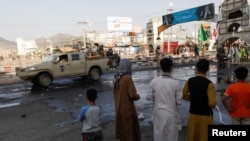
169,10
83,34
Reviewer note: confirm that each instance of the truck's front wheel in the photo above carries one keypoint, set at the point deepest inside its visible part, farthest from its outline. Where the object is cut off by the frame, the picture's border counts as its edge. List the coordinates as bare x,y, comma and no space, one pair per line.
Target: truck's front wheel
95,74
44,79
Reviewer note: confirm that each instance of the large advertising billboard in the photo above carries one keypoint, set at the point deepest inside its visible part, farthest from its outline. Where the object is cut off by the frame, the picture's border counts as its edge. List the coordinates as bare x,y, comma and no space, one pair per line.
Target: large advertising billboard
204,12
24,47
119,23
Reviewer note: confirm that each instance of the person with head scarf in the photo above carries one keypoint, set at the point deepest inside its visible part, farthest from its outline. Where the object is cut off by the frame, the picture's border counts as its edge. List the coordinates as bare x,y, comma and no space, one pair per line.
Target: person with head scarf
201,93
126,117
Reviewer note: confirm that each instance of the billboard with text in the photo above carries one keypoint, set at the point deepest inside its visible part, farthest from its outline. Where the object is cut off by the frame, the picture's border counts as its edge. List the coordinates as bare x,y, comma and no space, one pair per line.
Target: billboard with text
119,23
204,12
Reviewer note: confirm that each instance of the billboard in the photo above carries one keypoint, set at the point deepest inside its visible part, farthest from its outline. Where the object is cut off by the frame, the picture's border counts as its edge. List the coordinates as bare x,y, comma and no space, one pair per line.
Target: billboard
119,23
204,12
24,47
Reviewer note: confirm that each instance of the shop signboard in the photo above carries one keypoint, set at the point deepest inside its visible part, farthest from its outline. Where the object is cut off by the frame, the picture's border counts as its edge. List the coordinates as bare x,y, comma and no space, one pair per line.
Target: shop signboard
172,46
119,23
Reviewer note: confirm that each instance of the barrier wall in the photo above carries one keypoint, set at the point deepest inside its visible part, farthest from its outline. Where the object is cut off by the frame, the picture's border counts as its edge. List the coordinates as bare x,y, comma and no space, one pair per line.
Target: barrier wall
8,65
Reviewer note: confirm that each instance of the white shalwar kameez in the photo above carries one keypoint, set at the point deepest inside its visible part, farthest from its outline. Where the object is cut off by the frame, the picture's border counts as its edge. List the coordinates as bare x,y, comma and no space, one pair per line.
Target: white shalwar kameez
166,94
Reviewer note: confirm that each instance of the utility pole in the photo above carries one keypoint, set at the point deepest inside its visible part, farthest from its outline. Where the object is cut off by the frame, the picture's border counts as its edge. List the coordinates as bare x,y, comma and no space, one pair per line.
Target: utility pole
169,11
83,34
195,34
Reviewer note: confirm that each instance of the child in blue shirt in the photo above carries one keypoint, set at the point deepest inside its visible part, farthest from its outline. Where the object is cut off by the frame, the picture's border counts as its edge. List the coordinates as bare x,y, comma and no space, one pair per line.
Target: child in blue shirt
90,115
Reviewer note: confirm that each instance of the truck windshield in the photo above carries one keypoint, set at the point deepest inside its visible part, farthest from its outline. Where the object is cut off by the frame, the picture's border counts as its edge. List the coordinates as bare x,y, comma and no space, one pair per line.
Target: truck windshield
49,58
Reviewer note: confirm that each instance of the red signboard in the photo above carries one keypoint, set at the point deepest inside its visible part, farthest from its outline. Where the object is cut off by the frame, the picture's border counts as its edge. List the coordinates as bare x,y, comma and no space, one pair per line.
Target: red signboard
172,47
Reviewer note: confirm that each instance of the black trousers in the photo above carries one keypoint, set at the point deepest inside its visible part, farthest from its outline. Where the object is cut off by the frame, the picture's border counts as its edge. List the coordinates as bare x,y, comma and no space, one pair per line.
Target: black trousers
92,136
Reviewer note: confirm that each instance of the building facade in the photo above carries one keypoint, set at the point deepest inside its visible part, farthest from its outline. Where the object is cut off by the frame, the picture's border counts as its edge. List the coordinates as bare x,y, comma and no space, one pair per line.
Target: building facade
233,22
153,39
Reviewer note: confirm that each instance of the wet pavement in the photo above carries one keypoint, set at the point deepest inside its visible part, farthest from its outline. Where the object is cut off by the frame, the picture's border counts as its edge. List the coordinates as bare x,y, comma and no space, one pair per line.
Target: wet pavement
221,77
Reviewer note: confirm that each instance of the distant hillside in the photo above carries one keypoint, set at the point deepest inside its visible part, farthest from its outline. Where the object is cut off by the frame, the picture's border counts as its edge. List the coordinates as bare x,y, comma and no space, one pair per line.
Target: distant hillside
61,37
41,42
7,45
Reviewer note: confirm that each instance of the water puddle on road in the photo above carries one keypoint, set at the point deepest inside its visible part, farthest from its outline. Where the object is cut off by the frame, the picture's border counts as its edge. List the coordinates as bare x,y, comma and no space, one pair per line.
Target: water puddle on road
9,105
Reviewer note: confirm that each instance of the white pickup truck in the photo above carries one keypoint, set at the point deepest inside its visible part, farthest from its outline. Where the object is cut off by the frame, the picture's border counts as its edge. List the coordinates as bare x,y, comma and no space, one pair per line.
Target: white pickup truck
62,66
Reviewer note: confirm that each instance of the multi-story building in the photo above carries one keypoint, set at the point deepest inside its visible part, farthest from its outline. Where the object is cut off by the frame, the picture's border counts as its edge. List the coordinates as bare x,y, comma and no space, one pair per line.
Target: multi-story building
153,39
233,22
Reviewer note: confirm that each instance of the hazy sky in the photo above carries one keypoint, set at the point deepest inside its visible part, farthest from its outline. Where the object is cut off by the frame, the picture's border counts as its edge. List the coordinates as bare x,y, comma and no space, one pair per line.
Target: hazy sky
31,19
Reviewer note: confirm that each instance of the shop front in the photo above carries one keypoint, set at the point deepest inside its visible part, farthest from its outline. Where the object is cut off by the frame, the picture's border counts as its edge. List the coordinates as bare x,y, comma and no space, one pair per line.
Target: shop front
170,47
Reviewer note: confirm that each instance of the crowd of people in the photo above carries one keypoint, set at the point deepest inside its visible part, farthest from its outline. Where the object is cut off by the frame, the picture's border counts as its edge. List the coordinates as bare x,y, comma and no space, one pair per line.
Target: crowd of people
187,50
234,52
167,95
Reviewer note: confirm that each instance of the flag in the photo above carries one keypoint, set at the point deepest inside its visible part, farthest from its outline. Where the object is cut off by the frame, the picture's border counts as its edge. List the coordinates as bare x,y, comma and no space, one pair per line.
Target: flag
202,34
214,33
170,4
